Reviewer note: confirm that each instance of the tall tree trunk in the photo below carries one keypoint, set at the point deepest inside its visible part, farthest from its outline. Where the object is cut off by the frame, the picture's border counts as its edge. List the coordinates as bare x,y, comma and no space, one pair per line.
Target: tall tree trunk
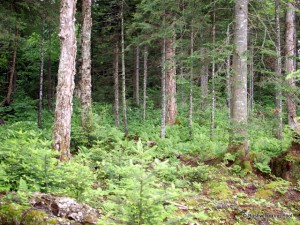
12,76
116,84
65,85
49,75
278,70
290,64
228,77
191,84
123,73
251,76
239,81
204,79
163,91
170,81
213,77
145,82
136,85
40,111
86,78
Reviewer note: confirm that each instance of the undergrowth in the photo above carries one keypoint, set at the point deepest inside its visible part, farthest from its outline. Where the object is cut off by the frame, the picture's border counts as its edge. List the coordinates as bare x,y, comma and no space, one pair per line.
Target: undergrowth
133,180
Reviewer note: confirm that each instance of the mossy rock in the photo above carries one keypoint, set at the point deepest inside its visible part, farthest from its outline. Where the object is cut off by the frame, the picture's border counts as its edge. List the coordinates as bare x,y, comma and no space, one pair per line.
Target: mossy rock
36,217
11,213
220,190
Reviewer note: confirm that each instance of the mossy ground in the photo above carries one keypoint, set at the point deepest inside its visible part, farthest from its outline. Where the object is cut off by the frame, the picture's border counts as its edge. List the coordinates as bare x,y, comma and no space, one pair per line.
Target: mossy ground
224,198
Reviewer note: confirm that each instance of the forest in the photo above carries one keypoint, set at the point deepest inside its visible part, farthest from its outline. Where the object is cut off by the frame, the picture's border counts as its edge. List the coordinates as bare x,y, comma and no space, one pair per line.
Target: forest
151,112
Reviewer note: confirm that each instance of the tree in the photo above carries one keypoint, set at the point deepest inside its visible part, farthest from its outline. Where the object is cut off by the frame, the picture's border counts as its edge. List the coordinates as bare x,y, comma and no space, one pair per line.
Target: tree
41,76
86,78
171,111
65,85
239,141
136,80
145,82
278,69
123,72
290,64
116,84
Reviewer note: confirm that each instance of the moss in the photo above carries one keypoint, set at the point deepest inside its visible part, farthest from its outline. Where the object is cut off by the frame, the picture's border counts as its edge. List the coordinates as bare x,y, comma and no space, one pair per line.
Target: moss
36,217
220,190
11,213
264,193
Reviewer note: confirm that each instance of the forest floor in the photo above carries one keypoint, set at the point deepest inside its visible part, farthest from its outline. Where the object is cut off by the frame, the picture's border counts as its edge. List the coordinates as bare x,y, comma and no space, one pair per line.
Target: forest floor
225,197
228,198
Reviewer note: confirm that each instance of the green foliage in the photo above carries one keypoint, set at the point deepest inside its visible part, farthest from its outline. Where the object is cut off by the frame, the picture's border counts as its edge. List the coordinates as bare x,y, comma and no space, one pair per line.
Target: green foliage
28,164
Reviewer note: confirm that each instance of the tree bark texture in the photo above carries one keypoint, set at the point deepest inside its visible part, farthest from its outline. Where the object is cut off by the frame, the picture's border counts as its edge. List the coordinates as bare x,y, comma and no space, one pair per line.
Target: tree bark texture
204,79
278,70
116,84
65,85
136,80
170,82
123,73
228,77
86,78
191,85
290,64
145,82
213,76
163,91
40,111
239,79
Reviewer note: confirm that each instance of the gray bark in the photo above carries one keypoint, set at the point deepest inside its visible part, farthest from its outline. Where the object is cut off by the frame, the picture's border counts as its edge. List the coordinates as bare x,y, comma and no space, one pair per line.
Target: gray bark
170,81
191,85
116,85
163,91
278,70
136,85
145,82
65,85
123,73
213,77
86,78
290,64
40,111
239,79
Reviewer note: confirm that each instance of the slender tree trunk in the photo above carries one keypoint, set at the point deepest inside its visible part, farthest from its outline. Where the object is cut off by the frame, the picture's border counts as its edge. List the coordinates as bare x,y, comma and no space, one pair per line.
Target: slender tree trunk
204,79
228,78
123,73
136,85
65,85
12,76
40,111
290,64
239,81
49,75
116,84
213,77
163,92
145,82
278,70
86,77
251,81
191,84
170,81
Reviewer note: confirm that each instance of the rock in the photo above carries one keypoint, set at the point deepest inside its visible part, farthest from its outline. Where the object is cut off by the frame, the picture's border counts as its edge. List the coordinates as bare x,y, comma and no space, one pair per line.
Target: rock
65,207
